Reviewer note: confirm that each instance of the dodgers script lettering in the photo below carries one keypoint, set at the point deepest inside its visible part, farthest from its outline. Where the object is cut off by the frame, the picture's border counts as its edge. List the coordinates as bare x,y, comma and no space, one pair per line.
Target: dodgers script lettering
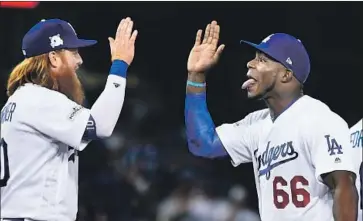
275,156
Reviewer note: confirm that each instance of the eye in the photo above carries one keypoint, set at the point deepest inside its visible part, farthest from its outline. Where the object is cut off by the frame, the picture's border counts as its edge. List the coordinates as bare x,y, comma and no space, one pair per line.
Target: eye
261,59
75,54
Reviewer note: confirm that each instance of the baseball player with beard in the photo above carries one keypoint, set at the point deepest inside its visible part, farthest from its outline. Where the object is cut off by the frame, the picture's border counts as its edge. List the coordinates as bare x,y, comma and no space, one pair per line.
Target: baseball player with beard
44,125
300,149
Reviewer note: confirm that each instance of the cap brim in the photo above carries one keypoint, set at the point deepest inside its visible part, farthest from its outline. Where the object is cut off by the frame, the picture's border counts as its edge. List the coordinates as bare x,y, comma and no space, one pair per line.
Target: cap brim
259,47
262,48
81,43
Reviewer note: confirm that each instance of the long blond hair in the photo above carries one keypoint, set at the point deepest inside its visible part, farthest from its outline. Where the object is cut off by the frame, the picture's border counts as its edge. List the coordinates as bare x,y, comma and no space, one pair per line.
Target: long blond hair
32,70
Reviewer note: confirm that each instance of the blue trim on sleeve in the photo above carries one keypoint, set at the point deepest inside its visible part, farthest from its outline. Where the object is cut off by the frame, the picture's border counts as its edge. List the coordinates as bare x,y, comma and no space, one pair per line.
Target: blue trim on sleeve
202,136
119,68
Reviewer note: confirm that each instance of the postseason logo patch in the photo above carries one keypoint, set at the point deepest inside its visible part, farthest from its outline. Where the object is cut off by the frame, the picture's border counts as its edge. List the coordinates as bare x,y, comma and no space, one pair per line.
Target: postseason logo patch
75,111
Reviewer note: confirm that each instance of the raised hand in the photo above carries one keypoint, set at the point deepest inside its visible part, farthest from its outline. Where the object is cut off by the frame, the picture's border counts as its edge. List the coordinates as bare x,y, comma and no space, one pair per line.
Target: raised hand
205,53
123,45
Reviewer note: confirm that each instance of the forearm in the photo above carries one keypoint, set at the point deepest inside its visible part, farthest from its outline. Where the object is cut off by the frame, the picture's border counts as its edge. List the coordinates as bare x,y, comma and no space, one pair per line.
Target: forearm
345,206
107,108
342,184
201,134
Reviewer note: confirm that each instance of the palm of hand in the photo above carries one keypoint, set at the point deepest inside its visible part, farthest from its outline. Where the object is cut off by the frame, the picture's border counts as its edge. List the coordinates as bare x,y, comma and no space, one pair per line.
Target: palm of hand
201,57
123,46
204,55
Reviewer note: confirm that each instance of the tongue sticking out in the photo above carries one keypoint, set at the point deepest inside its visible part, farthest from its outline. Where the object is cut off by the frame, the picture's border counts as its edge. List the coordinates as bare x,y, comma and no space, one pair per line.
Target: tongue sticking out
248,83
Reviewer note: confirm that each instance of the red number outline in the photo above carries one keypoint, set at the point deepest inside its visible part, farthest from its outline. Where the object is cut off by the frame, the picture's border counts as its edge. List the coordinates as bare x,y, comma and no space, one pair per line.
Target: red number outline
294,192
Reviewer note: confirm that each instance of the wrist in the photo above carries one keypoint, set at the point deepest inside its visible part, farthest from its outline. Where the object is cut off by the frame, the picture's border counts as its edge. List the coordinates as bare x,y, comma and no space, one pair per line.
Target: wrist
120,58
195,87
119,68
196,77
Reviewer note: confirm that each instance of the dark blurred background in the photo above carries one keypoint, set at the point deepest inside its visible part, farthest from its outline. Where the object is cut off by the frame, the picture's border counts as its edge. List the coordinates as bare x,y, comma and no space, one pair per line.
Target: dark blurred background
144,171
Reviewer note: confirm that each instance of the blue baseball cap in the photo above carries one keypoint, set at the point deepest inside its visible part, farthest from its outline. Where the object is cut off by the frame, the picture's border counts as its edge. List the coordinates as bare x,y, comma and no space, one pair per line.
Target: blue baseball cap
288,51
50,35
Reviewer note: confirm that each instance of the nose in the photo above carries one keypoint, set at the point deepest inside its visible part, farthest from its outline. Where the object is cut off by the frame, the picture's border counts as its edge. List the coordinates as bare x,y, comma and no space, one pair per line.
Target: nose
80,61
251,64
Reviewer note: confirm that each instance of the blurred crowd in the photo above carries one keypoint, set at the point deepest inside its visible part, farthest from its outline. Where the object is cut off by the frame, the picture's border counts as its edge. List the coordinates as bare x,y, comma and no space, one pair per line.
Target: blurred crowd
135,184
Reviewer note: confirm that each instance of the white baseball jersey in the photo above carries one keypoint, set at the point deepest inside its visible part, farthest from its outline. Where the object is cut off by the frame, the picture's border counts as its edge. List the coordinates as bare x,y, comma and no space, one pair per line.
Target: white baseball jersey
356,139
289,156
41,131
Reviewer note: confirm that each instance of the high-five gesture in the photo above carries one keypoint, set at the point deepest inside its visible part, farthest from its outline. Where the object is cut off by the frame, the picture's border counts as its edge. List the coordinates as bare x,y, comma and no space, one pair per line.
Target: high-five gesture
205,53
123,46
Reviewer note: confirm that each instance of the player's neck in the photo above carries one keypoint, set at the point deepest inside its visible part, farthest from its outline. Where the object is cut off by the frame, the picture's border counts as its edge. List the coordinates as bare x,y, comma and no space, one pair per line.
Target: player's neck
278,104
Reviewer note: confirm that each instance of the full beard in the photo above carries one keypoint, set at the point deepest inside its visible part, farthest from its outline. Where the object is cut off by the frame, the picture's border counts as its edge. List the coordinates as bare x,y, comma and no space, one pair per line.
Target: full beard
70,85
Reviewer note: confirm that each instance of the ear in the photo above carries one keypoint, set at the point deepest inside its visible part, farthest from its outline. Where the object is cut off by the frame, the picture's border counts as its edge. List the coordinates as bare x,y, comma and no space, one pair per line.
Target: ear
54,59
287,76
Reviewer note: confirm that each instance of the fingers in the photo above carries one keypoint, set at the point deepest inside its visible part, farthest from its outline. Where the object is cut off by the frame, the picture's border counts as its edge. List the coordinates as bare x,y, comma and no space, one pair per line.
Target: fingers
123,28
219,52
111,40
215,37
130,24
133,37
211,32
198,37
206,34
119,28
123,46
112,43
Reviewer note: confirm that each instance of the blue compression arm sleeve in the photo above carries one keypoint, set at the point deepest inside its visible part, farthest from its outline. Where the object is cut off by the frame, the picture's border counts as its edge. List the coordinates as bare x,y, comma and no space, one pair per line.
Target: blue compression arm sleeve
119,68
202,137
